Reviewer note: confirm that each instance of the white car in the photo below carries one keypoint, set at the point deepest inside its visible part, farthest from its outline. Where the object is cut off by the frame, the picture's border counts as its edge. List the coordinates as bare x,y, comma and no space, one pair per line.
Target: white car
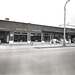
65,41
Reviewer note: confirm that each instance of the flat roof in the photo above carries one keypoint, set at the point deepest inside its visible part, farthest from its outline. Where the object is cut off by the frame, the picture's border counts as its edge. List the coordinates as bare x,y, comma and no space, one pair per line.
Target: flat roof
29,23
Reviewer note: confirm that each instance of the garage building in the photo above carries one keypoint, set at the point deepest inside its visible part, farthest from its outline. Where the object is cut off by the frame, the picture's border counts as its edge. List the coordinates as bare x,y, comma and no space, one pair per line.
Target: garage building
18,32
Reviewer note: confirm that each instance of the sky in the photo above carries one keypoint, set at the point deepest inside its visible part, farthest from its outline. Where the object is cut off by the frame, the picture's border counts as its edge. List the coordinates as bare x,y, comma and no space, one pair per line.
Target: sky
43,12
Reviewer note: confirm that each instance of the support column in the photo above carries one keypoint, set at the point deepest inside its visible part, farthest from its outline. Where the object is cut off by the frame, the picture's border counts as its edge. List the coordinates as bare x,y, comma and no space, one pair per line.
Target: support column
50,38
11,37
69,38
42,38
28,37
7,39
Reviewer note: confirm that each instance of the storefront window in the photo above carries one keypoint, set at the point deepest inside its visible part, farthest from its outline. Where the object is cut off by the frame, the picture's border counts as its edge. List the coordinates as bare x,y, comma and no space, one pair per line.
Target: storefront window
47,37
36,37
20,37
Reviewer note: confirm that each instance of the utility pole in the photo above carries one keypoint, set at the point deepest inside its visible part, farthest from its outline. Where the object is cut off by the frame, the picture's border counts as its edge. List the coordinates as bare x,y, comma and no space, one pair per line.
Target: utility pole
65,21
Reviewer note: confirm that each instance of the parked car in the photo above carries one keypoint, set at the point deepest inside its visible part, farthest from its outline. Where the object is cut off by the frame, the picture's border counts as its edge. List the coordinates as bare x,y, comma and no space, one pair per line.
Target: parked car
65,41
55,41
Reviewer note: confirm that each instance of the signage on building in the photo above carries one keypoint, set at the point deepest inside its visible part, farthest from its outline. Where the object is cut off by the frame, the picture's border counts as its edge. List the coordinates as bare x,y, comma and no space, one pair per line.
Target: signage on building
3,28
37,30
21,29
70,30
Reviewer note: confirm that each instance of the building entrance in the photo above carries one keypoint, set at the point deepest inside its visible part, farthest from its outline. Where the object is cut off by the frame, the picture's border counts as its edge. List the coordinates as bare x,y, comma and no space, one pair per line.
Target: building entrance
73,38
4,36
47,37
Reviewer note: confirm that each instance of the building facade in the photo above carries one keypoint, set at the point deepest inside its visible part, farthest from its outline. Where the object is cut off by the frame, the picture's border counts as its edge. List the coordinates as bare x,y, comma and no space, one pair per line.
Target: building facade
17,32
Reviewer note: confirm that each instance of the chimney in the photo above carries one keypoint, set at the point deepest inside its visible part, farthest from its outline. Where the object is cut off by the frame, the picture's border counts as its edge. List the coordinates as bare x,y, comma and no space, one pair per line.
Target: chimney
7,19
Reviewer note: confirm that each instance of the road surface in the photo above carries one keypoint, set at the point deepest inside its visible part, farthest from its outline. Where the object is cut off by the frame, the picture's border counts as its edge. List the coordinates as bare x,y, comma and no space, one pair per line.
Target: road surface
37,61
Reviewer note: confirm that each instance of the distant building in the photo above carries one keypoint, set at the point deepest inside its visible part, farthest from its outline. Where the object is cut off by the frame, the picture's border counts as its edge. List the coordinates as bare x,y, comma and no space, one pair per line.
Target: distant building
17,32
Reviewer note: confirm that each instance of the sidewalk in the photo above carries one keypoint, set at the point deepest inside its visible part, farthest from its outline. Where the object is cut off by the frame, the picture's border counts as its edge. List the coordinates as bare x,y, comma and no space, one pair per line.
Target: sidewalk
14,46
20,46
53,45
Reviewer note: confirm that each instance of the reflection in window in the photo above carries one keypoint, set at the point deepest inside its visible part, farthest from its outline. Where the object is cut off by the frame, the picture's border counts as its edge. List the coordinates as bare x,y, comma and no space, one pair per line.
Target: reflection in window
36,37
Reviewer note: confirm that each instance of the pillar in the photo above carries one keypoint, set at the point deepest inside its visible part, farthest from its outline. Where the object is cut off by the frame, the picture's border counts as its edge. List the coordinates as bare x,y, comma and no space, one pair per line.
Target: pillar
50,38
7,39
11,40
42,38
69,38
28,37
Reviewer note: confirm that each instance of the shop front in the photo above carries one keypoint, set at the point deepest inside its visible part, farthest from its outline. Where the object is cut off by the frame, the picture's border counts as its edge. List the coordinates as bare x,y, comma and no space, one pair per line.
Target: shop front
4,36
20,37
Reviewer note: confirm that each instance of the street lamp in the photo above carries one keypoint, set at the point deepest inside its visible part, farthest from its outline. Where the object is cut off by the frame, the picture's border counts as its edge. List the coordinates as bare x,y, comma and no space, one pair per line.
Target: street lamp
65,21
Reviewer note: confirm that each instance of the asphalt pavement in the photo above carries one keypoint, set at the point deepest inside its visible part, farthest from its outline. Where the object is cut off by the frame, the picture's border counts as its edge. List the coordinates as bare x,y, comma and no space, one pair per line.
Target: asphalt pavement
28,60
